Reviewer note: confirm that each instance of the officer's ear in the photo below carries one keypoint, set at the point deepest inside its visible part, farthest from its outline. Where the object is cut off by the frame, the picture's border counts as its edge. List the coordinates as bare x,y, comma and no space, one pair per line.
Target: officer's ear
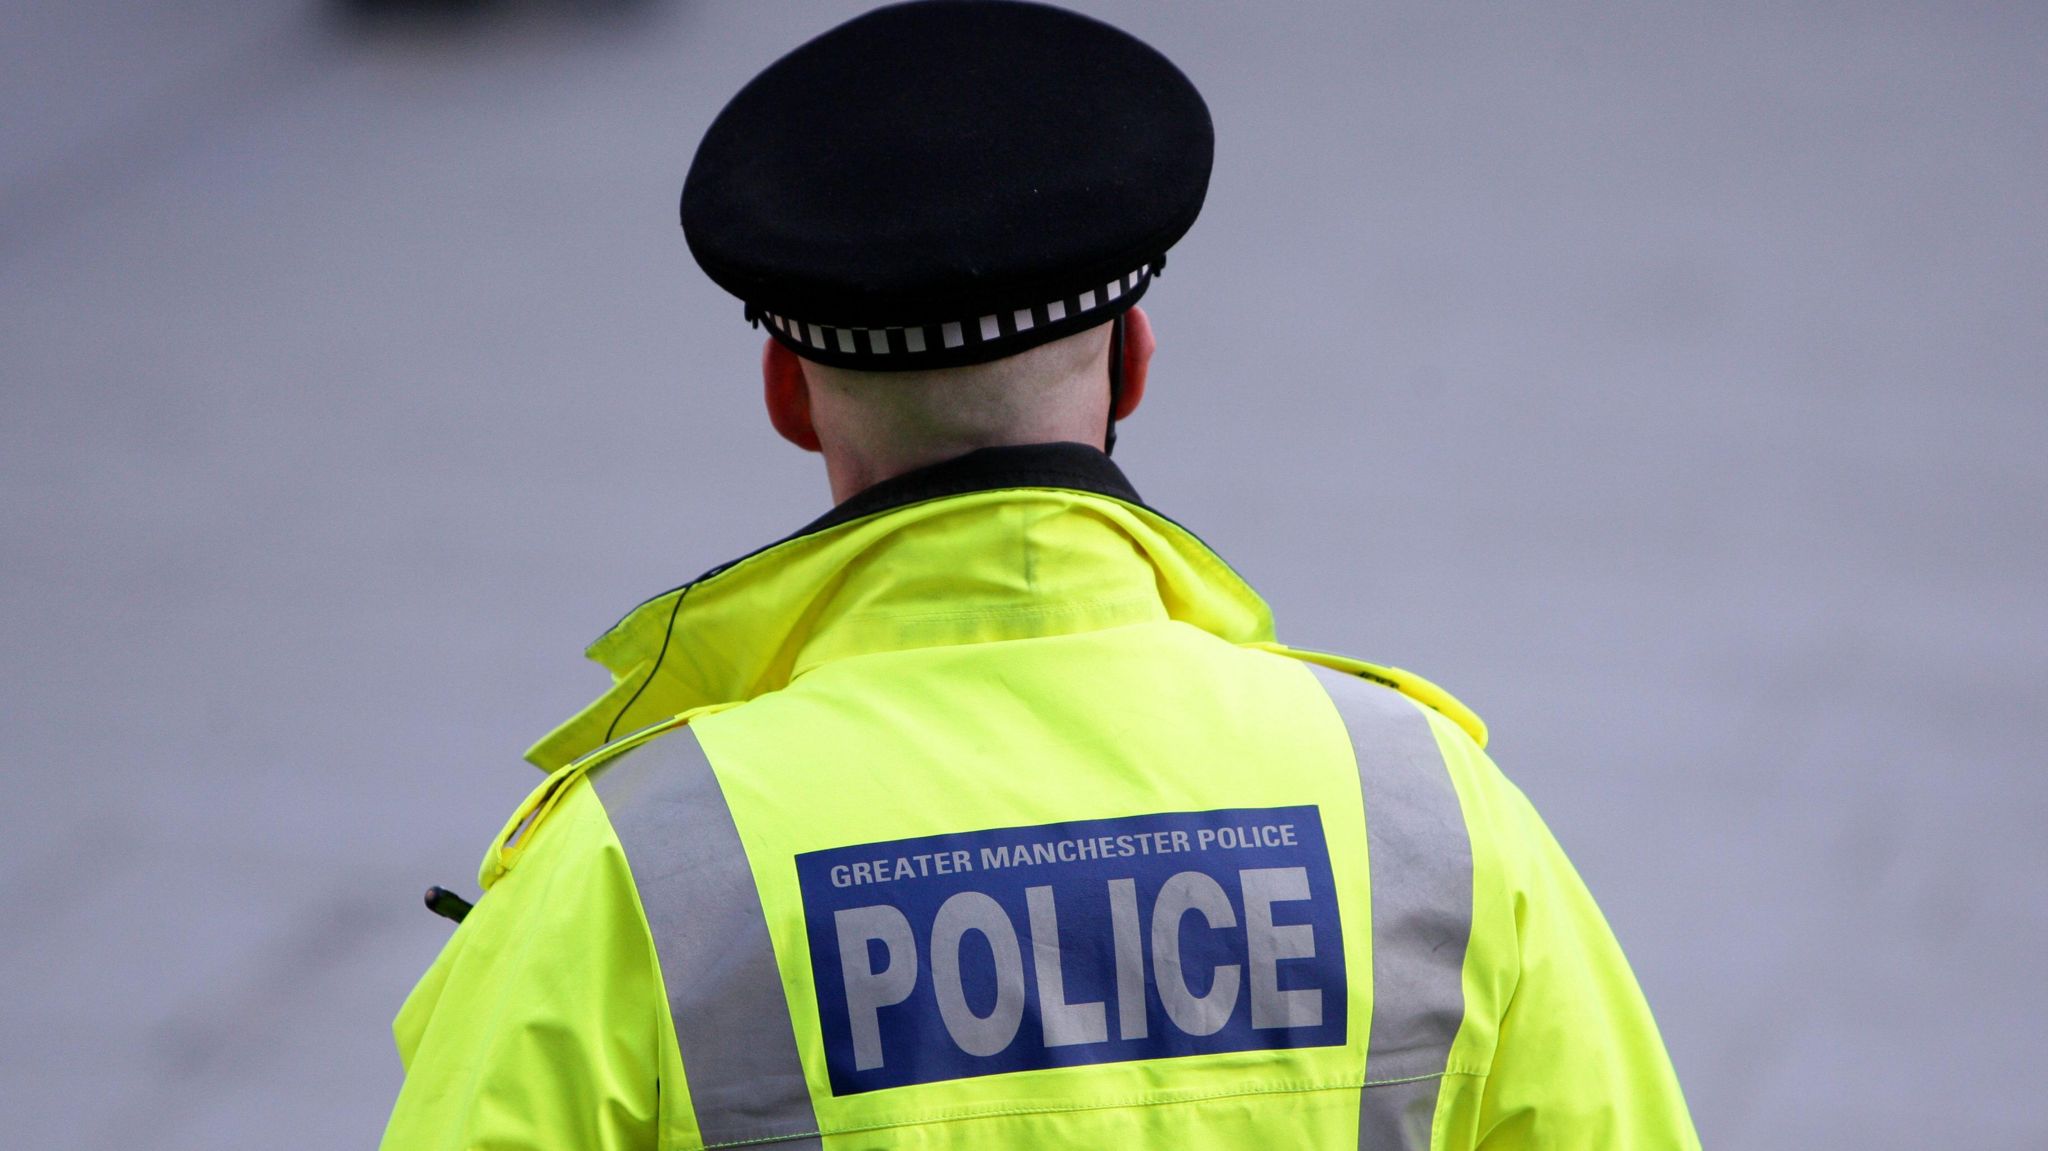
1138,345
788,395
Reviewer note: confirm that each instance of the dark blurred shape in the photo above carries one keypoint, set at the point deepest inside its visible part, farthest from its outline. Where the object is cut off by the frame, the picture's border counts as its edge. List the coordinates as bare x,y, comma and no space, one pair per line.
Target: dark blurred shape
432,15
447,904
421,9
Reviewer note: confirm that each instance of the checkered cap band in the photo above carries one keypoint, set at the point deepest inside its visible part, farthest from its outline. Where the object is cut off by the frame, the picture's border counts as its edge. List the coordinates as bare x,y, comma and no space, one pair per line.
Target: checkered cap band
966,340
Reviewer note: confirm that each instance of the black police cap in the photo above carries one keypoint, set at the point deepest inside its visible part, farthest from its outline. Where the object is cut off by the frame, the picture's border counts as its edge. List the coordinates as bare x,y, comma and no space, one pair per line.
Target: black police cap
948,182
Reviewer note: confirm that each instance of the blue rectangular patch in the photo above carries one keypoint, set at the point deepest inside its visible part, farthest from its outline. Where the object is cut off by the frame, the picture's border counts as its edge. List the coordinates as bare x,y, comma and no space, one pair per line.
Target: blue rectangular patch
1099,941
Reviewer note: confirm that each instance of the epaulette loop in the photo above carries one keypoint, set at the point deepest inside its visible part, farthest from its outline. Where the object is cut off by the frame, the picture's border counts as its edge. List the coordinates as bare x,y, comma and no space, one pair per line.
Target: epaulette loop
1407,683
519,830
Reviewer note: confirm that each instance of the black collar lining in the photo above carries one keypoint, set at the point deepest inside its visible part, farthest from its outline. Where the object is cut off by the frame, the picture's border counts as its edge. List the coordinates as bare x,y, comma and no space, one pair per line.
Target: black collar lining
1055,465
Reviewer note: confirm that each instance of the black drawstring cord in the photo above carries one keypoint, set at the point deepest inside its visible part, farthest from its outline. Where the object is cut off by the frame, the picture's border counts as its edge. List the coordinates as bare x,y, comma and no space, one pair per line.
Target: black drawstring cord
1116,381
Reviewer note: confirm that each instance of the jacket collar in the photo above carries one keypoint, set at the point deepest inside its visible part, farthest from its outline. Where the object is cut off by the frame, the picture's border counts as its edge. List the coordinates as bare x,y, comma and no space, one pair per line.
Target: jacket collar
1062,464
1075,467
1001,543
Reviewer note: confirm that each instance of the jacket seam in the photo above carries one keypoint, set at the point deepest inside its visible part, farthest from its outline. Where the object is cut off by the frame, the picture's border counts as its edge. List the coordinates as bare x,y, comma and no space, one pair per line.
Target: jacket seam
1065,607
1069,1109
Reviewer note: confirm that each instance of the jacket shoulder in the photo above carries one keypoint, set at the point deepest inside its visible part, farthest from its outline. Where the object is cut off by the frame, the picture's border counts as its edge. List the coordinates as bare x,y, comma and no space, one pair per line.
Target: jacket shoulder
1407,683
542,802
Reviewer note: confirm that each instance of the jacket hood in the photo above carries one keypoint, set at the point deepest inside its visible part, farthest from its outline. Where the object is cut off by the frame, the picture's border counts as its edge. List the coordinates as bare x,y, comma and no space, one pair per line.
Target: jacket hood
1000,544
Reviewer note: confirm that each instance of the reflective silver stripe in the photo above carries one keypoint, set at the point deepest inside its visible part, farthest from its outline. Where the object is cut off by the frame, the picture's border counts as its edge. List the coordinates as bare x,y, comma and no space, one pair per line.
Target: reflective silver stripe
1420,862
1397,1116
732,1022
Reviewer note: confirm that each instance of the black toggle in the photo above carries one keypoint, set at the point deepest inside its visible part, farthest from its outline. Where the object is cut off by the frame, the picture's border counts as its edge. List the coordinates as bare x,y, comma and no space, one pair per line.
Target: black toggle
447,904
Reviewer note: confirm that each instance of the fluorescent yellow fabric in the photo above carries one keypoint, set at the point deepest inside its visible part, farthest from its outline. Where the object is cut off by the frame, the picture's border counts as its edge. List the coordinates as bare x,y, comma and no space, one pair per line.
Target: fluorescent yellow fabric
892,678
1207,710
753,627
538,1024
1558,1048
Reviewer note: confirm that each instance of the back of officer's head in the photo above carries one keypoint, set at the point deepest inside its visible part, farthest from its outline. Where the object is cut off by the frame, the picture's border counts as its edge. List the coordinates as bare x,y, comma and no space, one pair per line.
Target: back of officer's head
1056,391
874,425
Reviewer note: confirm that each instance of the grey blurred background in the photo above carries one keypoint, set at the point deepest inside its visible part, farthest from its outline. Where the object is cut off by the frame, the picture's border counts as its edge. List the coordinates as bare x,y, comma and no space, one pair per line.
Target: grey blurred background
1665,380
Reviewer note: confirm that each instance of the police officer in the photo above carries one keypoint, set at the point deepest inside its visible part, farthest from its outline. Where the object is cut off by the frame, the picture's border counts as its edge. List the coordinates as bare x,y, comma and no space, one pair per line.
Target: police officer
987,811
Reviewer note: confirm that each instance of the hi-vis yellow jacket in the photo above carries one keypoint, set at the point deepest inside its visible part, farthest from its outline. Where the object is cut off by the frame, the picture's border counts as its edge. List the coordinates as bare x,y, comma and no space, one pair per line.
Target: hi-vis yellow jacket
987,813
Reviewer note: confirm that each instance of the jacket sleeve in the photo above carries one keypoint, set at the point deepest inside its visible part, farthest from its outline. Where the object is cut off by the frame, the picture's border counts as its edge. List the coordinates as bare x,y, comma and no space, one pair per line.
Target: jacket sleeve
1578,1062
538,1026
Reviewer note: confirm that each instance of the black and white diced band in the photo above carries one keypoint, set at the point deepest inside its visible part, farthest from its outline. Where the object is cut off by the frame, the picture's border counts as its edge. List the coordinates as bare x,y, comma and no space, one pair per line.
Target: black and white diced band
901,346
